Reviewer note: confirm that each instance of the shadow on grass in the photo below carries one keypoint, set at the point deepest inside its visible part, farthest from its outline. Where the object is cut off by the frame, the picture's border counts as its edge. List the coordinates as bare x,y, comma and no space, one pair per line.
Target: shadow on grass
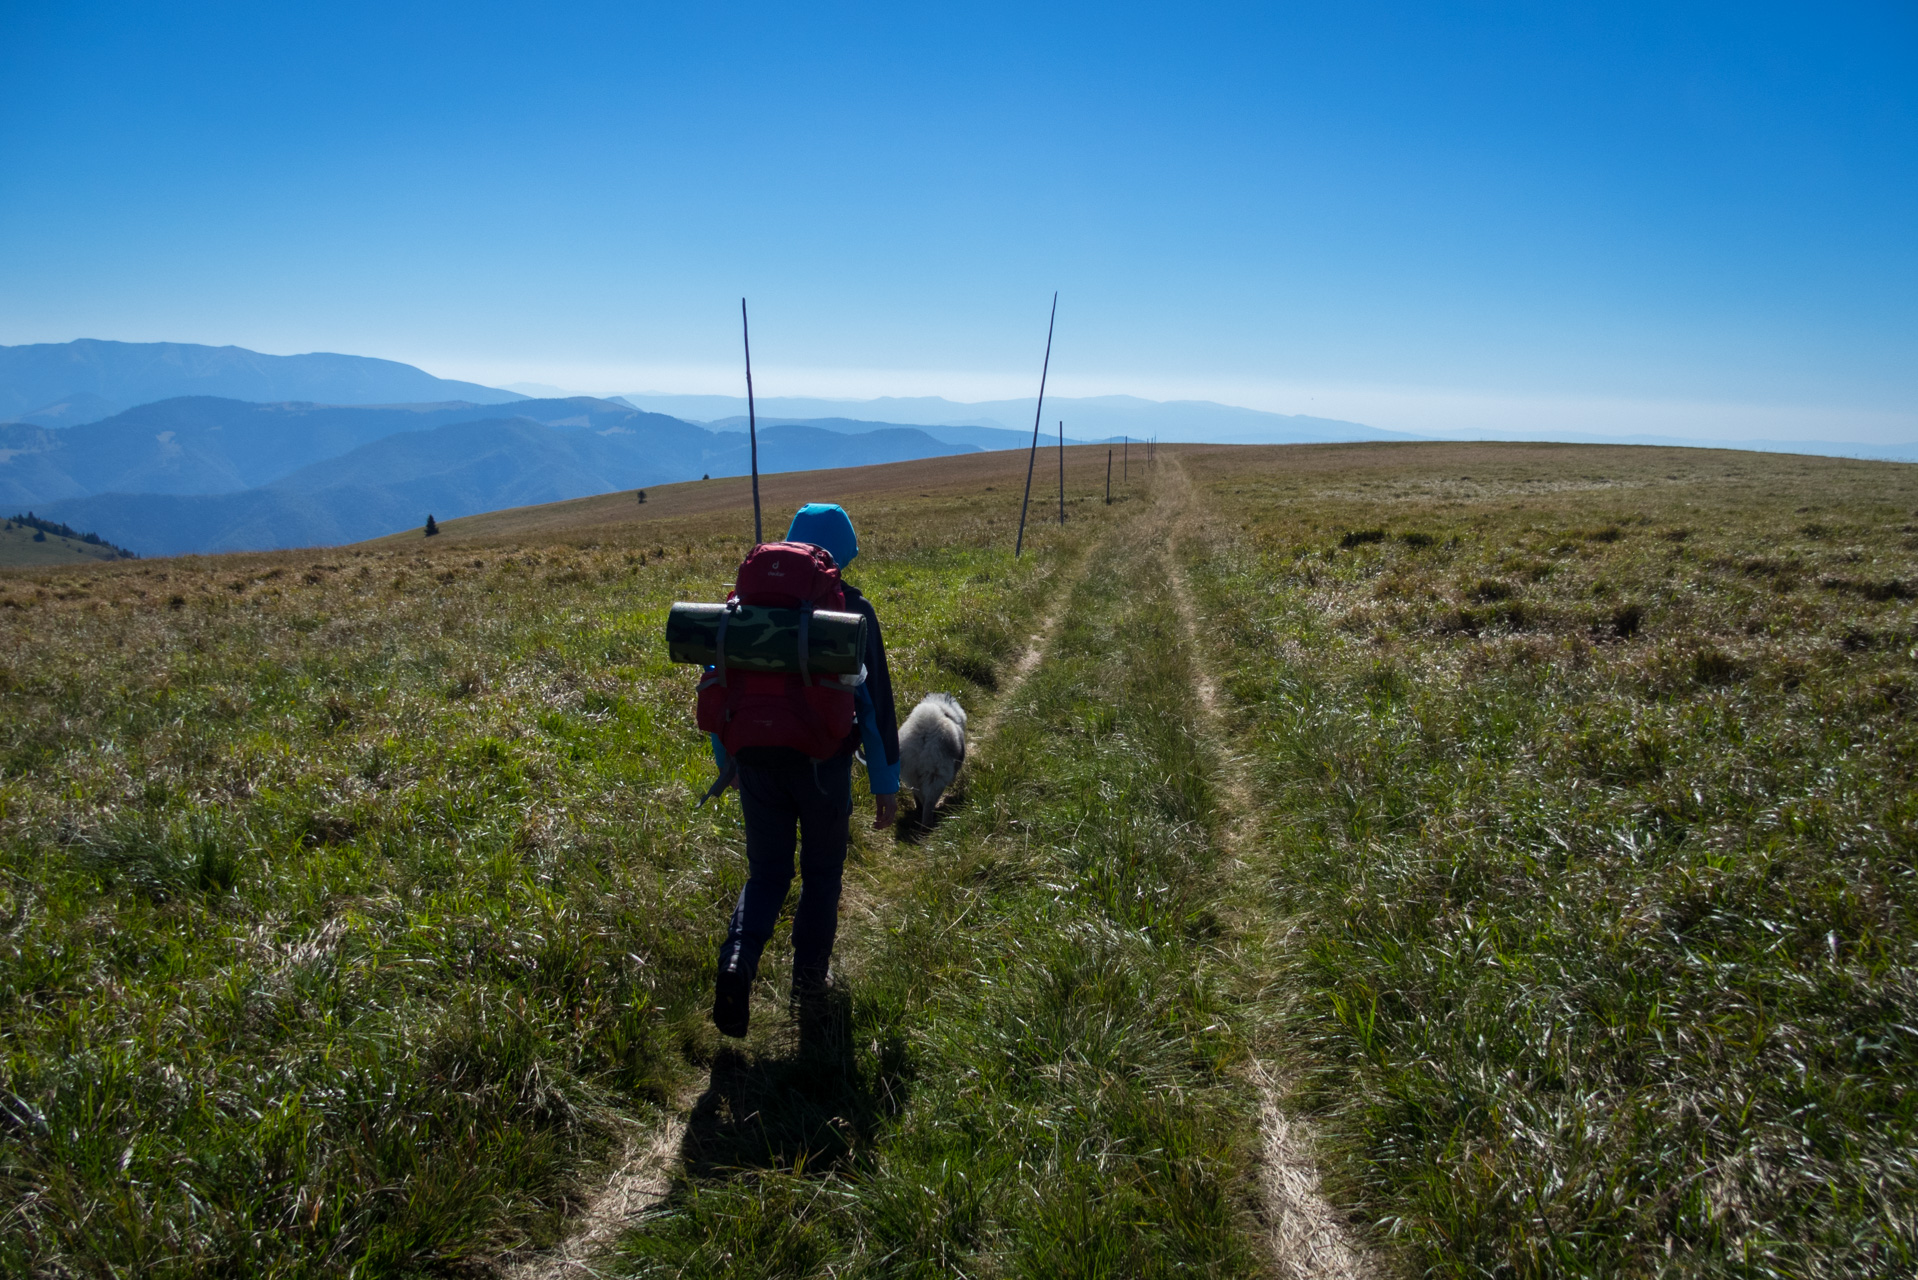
809,1106
914,826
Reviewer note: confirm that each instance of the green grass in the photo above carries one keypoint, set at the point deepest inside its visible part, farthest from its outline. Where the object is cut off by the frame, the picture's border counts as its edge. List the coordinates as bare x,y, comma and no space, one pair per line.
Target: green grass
348,899
353,907
1588,787
19,546
1031,1070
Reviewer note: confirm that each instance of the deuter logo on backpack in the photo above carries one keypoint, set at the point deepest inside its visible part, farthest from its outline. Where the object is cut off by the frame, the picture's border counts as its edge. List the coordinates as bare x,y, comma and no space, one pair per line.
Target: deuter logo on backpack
804,710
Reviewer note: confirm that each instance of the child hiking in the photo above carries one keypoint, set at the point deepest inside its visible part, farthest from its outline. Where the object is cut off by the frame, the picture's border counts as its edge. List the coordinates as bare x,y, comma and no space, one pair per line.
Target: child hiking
791,740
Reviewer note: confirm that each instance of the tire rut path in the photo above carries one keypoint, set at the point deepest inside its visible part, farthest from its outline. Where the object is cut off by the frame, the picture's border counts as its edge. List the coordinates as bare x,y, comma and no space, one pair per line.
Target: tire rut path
1305,1236
641,1178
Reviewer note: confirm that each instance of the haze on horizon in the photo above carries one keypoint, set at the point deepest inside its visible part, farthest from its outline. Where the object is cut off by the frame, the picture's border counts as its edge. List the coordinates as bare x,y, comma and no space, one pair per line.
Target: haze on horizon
1623,218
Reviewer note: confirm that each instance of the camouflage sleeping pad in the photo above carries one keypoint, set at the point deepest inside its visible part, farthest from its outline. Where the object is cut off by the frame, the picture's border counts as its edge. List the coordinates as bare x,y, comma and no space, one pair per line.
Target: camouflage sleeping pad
762,639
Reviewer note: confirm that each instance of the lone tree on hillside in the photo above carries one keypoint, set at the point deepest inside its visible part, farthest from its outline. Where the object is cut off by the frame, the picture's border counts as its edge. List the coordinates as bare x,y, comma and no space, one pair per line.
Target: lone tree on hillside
642,497
431,527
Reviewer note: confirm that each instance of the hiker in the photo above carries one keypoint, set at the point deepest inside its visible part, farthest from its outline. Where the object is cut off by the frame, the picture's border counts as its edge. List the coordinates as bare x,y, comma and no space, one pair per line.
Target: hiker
782,787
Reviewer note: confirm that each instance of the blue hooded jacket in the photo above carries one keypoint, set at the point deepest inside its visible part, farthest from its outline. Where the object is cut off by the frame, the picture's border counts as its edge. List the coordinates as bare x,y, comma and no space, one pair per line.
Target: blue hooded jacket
826,524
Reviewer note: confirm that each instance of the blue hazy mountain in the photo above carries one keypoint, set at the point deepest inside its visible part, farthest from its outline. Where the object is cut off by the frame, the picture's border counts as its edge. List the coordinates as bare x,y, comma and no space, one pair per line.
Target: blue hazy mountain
1893,451
31,471
208,445
70,411
393,480
1101,418
1086,418
191,445
984,438
40,379
919,411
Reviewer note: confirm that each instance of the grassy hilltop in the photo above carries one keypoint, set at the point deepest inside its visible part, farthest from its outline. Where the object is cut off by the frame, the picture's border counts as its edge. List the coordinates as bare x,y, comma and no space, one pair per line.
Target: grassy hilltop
1533,820
21,548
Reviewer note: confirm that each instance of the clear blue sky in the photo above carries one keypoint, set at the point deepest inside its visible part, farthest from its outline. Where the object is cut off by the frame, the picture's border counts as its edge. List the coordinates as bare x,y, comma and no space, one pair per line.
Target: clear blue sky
1606,216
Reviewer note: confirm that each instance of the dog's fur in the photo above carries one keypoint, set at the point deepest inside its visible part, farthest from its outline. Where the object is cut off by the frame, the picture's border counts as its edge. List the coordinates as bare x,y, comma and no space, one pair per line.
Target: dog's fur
932,746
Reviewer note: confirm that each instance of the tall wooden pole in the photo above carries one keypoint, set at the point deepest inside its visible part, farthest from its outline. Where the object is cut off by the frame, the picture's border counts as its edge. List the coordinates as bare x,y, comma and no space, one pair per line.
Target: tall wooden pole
1062,471
1108,477
1032,457
1125,460
752,420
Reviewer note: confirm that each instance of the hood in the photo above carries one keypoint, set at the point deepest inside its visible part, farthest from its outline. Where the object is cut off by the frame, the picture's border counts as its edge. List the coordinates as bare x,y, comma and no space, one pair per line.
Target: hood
826,524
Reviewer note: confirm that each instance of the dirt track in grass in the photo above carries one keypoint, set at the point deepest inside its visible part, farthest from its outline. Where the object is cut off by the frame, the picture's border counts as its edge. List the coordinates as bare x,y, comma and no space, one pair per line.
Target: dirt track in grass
1577,920
1307,1239
653,1155
978,984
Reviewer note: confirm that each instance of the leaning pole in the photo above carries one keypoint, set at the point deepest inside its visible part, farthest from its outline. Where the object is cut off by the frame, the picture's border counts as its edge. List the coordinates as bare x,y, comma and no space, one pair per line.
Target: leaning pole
752,419
1032,457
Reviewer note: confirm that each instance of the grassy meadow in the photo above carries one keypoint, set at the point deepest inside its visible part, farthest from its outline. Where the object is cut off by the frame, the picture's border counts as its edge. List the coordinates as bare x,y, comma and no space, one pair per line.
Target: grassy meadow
1037,1052
352,901
23,546
1587,813
1539,818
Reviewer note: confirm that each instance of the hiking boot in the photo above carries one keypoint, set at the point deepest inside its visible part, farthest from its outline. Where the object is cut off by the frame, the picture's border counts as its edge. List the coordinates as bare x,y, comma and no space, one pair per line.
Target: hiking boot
811,985
815,999
732,1003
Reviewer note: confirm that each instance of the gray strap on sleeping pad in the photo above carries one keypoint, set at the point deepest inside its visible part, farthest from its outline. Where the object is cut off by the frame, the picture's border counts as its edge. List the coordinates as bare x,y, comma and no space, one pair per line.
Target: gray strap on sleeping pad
719,644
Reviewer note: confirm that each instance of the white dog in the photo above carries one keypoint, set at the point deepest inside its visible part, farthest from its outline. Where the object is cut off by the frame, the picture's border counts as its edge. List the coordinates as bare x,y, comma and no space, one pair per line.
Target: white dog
932,746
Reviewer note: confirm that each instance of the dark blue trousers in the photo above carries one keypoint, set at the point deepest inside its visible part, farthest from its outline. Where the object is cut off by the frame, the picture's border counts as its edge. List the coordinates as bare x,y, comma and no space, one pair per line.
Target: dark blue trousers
816,801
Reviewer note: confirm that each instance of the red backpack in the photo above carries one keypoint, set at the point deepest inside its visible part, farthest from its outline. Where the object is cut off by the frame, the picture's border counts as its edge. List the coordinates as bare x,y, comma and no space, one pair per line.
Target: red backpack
810,713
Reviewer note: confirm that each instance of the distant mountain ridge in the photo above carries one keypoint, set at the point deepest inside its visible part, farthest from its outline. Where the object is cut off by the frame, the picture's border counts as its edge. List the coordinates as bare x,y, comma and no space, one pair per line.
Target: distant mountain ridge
987,438
197,445
60,384
1108,417
280,451
201,474
1086,418
1877,452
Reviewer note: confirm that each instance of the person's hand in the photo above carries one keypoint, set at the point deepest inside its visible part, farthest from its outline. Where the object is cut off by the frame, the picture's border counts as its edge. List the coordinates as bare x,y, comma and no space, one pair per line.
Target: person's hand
885,811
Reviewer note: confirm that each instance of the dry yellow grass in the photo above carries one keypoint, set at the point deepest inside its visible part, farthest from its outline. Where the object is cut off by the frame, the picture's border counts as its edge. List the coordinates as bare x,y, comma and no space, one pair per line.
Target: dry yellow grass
979,483
18,549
